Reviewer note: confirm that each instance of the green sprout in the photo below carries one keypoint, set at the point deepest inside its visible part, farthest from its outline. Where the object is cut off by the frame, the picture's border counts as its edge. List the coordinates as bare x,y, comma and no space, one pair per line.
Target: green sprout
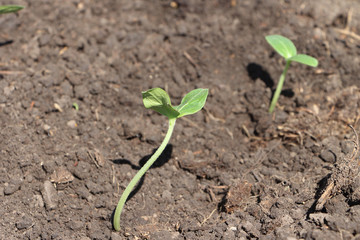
286,48
75,106
10,8
157,99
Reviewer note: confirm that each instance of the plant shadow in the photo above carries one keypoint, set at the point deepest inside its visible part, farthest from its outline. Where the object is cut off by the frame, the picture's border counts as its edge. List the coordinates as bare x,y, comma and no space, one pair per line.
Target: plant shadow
7,42
163,158
256,71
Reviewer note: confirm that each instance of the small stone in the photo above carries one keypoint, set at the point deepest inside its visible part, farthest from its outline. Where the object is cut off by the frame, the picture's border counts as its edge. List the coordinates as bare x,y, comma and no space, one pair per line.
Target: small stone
233,229
24,223
49,195
47,129
72,124
12,187
115,236
49,166
58,107
328,156
319,34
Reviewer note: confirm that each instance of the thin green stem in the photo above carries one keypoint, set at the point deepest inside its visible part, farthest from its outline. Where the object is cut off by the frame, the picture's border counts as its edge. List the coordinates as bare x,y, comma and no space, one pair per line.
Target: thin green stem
279,87
140,173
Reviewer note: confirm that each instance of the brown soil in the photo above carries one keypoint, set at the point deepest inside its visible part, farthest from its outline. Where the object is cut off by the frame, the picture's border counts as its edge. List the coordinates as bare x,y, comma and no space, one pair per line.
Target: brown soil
232,171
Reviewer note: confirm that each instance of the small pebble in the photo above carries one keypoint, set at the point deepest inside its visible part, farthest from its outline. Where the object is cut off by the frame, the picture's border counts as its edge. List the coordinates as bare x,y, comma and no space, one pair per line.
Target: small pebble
24,223
49,195
46,128
58,107
328,156
233,229
115,236
12,187
72,124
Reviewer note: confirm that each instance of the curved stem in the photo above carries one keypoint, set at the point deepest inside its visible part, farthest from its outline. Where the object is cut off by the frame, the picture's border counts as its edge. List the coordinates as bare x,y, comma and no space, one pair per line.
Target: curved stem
279,87
140,173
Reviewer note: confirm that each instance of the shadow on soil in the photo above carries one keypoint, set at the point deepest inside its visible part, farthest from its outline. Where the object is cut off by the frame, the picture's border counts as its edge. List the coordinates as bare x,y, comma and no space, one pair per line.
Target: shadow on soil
163,158
320,189
4,43
256,71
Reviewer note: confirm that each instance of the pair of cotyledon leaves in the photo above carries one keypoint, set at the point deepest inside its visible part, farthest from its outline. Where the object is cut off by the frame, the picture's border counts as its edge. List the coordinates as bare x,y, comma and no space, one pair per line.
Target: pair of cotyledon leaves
286,48
158,100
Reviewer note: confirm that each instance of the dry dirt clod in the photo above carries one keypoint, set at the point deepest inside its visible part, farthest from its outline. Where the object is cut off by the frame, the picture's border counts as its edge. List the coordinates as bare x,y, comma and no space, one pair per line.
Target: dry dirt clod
342,176
237,196
61,175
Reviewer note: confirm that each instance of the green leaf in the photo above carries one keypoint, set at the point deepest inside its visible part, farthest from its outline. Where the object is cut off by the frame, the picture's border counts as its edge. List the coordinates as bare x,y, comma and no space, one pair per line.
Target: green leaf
305,59
10,8
282,45
193,102
158,100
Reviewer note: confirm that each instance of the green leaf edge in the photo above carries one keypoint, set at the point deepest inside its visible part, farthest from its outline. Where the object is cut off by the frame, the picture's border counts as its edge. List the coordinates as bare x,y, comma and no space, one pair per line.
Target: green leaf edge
305,59
202,93
285,44
166,108
10,8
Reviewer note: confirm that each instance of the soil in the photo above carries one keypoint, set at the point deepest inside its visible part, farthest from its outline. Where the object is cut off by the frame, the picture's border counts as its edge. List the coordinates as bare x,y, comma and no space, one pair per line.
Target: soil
74,130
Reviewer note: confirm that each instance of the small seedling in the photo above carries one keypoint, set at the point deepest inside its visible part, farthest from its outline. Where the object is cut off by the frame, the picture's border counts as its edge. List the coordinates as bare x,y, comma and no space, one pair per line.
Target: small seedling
286,48
75,106
158,100
10,8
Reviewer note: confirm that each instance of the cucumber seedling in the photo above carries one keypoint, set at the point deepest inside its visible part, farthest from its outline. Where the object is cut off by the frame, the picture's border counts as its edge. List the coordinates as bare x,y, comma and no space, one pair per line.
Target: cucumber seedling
158,100
286,48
